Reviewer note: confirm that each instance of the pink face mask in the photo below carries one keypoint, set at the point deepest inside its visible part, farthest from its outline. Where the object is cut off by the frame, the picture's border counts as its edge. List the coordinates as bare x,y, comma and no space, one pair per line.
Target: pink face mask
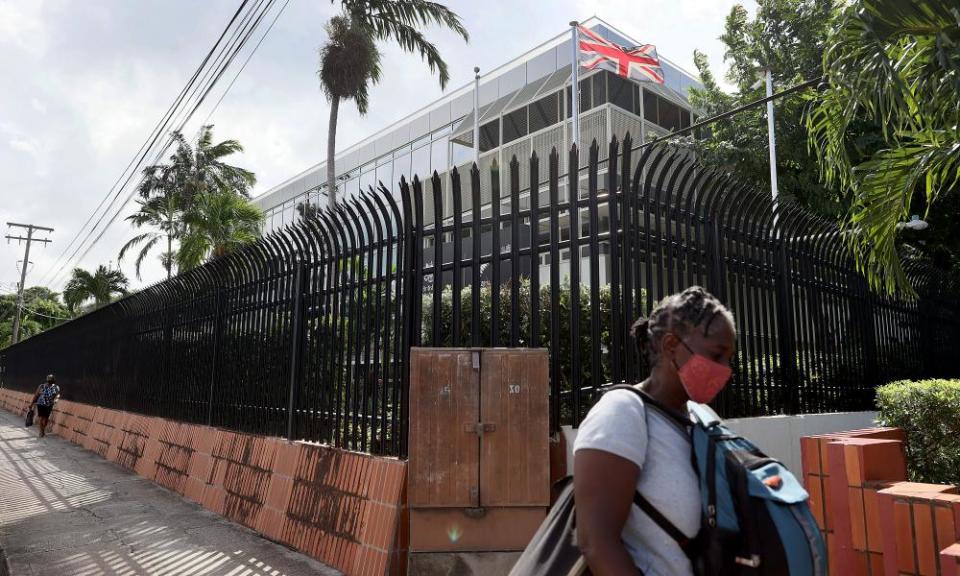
703,378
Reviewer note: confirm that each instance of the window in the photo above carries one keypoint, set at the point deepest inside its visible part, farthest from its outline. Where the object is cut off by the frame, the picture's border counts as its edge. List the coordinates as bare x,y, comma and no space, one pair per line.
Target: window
544,112
515,125
584,97
599,89
490,135
650,111
420,163
462,154
368,178
401,167
385,174
621,92
684,118
669,115
439,156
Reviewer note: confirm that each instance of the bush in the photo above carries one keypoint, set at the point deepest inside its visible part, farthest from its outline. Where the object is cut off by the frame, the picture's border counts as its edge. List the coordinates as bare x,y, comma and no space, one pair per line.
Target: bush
929,411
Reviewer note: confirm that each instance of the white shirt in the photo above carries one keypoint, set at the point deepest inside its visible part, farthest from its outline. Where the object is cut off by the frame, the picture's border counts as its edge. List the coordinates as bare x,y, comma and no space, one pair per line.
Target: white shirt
620,424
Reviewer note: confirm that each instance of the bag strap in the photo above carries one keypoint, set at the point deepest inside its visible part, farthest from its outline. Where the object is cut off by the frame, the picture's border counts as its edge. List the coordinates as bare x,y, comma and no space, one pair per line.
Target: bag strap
639,499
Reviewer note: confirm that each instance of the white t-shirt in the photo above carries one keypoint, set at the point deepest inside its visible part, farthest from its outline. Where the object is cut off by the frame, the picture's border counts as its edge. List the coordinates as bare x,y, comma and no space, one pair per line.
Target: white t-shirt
620,424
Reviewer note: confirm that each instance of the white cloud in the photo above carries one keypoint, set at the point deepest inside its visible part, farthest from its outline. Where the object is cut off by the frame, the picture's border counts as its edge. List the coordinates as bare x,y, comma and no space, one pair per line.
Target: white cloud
22,25
38,105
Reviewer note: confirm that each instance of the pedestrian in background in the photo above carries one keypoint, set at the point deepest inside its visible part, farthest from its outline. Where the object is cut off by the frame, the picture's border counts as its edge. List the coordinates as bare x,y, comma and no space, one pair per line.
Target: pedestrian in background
46,396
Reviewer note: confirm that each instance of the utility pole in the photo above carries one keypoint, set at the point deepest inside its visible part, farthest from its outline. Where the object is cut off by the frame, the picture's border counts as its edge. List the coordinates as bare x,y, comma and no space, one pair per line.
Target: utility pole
29,239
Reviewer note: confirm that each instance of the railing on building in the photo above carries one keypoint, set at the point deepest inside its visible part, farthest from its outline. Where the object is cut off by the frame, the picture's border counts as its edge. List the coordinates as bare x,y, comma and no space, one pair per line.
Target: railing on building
307,332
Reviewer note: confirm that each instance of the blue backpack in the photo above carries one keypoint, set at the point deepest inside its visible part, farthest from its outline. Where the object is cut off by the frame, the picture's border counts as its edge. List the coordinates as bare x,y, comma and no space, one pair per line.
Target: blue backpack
756,519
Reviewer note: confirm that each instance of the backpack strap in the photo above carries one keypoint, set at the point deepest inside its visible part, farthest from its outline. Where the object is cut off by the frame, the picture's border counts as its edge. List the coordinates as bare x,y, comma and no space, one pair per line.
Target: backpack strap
639,499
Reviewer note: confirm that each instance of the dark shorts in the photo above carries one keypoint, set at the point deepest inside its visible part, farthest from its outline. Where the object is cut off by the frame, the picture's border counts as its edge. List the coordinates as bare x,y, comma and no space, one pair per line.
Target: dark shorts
43,411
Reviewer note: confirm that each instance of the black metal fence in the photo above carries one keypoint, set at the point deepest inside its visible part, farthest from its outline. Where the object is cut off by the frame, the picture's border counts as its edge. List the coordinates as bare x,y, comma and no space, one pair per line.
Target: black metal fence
307,332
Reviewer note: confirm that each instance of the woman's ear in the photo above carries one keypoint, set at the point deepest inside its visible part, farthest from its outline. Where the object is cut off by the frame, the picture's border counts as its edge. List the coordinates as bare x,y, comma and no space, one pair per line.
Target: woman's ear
668,345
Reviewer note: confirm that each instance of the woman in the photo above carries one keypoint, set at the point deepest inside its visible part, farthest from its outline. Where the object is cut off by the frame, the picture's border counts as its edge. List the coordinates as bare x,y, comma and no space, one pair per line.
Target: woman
623,447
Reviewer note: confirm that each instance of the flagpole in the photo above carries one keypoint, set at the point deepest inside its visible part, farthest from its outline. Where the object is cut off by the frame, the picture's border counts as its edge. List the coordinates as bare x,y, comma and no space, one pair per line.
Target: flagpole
575,86
476,116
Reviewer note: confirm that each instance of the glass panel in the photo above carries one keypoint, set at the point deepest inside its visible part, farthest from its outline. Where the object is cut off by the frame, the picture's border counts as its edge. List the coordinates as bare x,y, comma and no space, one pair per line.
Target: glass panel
585,94
420,163
650,111
669,115
439,155
461,154
490,135
684,118
544,112
621,92
368,178
385,174
515,125
401,167
599,89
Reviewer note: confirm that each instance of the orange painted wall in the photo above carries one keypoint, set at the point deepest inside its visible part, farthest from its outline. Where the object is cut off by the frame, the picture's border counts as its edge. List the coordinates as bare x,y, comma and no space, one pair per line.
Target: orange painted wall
342,508
875,522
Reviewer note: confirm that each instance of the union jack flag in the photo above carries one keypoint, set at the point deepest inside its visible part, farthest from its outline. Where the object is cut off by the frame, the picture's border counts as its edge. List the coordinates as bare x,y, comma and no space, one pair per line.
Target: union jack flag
639,62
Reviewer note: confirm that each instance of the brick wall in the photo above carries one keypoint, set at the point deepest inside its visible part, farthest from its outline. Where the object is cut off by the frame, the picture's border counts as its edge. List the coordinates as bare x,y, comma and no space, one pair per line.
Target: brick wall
343,508
874,521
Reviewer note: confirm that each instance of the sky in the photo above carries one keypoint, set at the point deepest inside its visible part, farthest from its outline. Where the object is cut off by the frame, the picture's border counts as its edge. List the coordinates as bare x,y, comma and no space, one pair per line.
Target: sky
84,82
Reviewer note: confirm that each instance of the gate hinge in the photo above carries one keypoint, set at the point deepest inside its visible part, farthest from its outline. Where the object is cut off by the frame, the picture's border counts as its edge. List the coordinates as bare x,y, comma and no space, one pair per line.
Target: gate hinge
479,428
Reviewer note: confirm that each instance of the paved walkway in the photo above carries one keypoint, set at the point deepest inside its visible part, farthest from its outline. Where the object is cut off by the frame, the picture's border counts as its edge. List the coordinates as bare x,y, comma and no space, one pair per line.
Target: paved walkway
65,511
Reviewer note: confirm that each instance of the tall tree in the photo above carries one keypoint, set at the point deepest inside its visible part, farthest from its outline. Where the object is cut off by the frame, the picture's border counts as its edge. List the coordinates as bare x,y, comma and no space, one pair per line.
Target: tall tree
217,224
897,65
350,60
101,286
787,36
169,192
42,310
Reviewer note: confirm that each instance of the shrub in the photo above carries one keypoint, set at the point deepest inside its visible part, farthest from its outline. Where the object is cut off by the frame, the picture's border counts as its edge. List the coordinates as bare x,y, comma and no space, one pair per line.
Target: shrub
929,411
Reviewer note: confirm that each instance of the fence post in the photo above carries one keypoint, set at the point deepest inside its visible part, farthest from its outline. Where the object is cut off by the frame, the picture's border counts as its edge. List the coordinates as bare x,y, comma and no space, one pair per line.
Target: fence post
870,366
787,344
217,329
296,346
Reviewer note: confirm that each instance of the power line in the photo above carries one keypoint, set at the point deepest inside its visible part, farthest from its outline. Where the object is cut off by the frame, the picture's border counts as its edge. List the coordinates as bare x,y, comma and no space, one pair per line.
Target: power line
225,63
185,96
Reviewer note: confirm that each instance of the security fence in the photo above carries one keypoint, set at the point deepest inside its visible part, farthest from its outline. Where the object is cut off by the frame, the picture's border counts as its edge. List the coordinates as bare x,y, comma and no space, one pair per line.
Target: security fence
307,332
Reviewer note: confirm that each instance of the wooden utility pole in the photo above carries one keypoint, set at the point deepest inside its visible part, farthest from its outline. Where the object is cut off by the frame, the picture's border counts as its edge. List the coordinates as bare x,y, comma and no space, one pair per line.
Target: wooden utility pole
29,239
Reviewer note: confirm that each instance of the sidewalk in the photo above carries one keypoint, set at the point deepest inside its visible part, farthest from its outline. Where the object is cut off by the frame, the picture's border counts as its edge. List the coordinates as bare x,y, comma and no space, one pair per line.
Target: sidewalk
65,511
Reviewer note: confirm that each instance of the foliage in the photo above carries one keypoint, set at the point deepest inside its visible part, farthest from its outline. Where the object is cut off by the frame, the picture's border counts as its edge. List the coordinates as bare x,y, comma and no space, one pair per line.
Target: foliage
350,59
217,224
787,36
895,64
176,197
42,310
929,412
101,286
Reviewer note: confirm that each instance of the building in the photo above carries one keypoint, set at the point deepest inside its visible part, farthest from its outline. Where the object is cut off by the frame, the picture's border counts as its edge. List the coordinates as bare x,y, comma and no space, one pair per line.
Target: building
524,107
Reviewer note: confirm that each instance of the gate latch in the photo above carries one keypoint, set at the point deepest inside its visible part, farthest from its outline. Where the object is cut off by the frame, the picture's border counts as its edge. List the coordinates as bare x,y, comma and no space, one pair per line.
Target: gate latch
479,428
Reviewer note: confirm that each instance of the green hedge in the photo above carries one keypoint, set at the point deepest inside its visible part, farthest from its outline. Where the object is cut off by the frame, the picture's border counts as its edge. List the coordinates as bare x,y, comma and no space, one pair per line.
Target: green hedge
929,411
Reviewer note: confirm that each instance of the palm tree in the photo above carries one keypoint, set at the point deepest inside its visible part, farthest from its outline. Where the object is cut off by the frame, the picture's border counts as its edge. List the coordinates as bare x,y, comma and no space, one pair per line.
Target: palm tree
169,191
101,286
893,64
217,224
350,61
162,215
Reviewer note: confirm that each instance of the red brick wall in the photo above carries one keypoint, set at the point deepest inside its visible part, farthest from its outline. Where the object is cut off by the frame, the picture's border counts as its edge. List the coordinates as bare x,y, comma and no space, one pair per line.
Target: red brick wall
875,522
344,509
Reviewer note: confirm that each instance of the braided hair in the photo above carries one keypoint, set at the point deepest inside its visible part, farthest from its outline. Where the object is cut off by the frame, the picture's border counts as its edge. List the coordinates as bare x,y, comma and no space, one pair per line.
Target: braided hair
680,314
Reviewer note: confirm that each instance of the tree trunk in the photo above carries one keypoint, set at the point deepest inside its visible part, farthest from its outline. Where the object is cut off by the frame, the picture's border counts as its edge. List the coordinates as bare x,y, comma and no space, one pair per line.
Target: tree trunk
331,151
169,258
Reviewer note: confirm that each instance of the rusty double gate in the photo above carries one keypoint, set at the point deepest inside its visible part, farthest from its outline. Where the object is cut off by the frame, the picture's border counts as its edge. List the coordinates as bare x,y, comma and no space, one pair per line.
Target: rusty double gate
307,332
